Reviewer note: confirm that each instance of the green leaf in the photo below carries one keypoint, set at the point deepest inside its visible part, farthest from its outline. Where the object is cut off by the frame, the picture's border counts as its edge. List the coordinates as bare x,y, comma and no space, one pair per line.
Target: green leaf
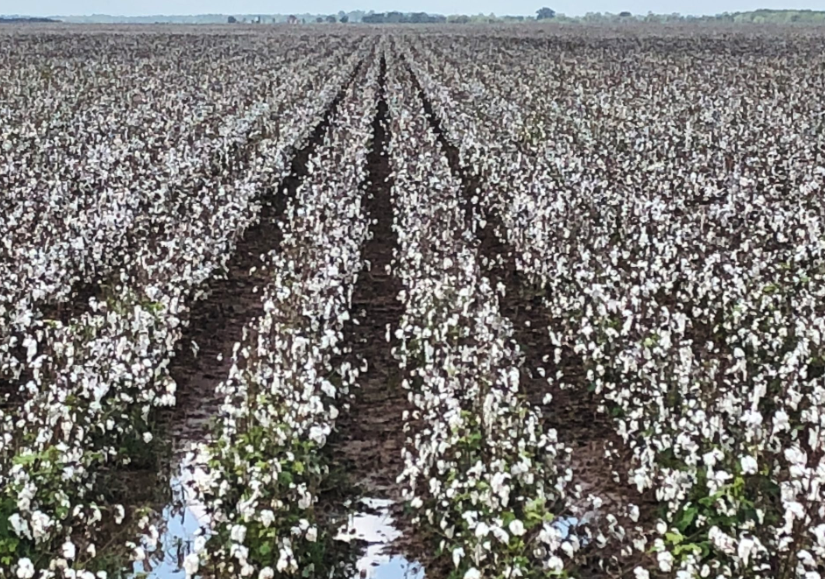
688,515
507,518
674,538
687,548
24,459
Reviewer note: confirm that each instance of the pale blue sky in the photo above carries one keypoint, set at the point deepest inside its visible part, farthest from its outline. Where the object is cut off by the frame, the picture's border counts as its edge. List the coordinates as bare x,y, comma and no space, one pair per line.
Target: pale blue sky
500,7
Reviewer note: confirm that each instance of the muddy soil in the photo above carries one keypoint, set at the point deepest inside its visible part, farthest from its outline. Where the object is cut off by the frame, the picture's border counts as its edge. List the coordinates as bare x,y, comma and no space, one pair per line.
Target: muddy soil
369,437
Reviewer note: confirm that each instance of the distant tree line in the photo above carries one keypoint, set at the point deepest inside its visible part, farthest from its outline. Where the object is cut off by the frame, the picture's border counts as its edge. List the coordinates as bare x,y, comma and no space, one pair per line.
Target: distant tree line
23,19
402,18
544,14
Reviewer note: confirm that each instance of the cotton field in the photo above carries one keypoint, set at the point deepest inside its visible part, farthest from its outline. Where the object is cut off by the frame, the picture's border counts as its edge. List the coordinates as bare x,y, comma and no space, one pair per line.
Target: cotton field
451,302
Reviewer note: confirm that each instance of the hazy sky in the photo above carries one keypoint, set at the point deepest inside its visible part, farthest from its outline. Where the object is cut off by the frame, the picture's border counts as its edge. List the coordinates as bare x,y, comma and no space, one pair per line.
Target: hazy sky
571,7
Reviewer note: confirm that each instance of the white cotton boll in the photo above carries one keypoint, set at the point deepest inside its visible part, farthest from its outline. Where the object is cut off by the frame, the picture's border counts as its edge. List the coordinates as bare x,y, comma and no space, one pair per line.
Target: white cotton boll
283,562
781,421
312,534
745,549
266,573
267,517
640,573
120,513
555,564
501,534
516,527
25,568
238,533
20,526
147,437
316,434
661,527
482,530
191,564
749,465
68,550
568,548
665,560
472,573
819,533
458,553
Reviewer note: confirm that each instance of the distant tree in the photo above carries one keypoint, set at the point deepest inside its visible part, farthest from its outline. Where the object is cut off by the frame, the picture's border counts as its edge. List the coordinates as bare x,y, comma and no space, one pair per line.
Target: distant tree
332,19
545,13
625,14
343,19
232,20
319,19
292,19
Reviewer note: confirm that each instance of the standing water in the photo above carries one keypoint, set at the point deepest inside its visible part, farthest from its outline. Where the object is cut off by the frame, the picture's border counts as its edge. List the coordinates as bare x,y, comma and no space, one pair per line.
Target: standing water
372,524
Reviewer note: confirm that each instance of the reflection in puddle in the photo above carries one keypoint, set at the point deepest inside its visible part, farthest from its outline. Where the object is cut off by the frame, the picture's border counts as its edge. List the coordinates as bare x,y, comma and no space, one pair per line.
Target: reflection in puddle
184,520
565,525
374,525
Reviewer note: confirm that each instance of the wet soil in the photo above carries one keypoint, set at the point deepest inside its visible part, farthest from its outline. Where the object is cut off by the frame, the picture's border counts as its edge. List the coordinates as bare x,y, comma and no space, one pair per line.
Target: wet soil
368,440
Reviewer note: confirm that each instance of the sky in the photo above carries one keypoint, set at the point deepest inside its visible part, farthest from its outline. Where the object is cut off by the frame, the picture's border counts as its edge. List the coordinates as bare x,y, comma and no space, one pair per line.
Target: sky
499,7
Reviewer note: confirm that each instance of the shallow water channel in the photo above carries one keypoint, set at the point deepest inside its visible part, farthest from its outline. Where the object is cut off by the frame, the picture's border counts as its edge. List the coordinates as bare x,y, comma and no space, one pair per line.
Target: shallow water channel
370,528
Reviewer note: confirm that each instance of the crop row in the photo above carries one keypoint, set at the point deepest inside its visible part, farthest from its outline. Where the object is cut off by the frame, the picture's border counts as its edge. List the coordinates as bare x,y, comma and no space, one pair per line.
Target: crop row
262,474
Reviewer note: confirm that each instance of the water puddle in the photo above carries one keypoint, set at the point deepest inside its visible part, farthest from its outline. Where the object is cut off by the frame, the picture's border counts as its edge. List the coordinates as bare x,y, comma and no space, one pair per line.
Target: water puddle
373,524
565,526
183,521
